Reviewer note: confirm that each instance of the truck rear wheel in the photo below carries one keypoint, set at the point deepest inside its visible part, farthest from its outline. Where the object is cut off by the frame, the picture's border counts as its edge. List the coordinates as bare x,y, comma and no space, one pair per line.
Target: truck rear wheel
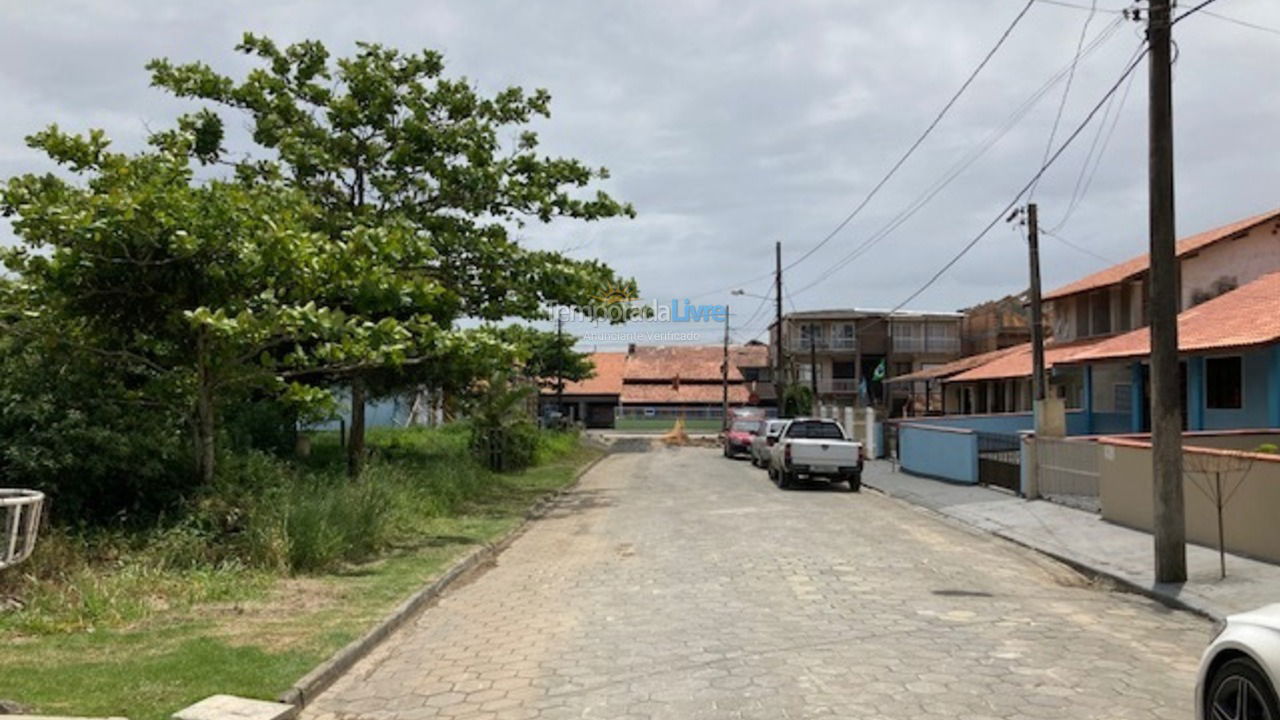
855,483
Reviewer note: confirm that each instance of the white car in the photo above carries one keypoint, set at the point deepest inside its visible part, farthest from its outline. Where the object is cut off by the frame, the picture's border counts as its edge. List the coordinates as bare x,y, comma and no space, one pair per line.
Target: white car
816,449
1240,670
762,444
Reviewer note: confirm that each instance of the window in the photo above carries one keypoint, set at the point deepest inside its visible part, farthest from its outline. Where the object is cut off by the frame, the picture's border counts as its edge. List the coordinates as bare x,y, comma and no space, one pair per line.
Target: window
907,336
901,368
842,370
1082,316
1100,304
815,429
1224,383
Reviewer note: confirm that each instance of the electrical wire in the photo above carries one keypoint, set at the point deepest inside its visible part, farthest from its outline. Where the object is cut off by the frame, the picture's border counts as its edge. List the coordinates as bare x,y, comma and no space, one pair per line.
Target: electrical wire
1243,23
1083,183
1004,212
1079,248
1066,90
1192,11
962,164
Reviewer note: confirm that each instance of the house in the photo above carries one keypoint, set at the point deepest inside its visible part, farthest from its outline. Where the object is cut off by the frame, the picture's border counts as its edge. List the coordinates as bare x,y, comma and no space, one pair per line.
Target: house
1086,313
849,353
665,382
995,325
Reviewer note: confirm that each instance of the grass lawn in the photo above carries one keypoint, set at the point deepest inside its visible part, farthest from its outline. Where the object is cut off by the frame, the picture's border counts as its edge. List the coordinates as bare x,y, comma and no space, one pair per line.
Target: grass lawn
273,632
665,424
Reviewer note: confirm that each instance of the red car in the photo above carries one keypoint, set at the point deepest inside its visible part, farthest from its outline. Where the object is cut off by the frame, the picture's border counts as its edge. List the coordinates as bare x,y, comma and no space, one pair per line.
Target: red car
738,438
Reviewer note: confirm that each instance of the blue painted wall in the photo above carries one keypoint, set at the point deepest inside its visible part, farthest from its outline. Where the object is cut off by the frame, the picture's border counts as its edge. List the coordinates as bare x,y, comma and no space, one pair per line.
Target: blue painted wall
382,413
939,453
1013,423
1256,412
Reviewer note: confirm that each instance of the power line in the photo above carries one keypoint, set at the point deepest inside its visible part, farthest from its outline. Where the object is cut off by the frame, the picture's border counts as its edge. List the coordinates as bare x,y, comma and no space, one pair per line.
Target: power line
1243,23
1083,183
919,140
1004,212
1066,90
961,165
1076,6
1193,11
1079,248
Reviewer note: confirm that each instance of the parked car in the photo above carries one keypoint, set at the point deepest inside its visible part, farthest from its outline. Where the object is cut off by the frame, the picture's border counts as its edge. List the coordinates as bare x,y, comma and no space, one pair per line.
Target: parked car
737,439
1240,670
762,445
816,449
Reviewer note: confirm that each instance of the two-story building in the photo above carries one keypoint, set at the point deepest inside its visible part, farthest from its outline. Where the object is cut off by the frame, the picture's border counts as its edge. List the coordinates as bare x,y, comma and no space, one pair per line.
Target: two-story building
848,354
1086,313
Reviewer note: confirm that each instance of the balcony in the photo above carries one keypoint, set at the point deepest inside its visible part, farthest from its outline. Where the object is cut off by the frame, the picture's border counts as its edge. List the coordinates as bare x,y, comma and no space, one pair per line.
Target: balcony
836,386
822,344
914,344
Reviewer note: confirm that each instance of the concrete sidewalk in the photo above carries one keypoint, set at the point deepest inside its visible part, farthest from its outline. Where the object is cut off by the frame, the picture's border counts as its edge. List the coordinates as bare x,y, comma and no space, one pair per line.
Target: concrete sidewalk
1084,540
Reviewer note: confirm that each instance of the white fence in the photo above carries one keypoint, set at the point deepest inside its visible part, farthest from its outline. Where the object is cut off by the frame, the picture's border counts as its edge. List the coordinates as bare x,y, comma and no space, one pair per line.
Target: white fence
1067,471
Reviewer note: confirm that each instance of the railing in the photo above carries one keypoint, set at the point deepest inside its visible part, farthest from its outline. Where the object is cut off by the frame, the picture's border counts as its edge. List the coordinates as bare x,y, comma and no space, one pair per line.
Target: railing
19,524
1067,471
920,345
828,344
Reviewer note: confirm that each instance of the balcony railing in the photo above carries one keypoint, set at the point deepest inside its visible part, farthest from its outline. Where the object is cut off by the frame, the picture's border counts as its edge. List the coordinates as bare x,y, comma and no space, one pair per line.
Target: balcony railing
837,386
827,344
922,345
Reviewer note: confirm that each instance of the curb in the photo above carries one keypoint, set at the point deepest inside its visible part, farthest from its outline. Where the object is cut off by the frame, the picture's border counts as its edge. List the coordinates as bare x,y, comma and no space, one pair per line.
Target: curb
323,675
1081,566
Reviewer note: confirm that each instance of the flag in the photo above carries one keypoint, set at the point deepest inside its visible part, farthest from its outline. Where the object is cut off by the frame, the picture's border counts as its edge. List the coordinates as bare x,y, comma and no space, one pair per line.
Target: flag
878,373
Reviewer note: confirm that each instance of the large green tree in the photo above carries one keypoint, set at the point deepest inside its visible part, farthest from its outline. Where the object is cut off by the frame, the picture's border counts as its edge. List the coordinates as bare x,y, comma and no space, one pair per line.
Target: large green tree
382,138
193,292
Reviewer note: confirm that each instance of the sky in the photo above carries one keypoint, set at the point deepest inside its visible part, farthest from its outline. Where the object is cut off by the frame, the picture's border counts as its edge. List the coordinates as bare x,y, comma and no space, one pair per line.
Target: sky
734,125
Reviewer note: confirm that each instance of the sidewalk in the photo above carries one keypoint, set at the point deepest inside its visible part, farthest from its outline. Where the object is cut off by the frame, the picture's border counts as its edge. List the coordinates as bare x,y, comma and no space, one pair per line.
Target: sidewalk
1086,541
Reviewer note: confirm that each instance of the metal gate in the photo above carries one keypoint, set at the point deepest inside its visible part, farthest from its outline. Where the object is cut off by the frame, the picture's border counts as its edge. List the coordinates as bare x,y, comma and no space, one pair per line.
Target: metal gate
1000,460
1067,472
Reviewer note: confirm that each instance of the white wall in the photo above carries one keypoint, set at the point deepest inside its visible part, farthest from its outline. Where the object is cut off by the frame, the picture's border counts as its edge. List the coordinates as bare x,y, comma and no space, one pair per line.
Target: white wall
1245,259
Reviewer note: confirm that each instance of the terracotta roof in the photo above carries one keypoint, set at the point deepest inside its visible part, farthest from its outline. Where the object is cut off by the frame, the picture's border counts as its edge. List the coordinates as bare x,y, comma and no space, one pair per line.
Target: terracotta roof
1244,317
955,367
1138,265
688,362
749,355
1016,363
607,379
686,394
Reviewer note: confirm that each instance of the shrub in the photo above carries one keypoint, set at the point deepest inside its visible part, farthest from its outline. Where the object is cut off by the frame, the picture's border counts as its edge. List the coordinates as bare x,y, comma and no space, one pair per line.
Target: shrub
1269,448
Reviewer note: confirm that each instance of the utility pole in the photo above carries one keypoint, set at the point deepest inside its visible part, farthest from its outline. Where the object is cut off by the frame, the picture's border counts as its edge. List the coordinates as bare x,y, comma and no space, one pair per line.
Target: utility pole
813,370
1166,410
724,375
1037,319
778,385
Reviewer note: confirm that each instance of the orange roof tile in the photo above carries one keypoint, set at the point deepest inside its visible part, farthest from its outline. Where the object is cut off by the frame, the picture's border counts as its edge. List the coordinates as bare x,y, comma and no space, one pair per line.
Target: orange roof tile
607,379
1244,317
1017,362
1186,246
688,362
956,366
686,394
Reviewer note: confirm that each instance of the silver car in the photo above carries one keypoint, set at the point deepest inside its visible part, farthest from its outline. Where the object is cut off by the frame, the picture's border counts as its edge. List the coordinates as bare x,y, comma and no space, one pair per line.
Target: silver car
1240,670
762,445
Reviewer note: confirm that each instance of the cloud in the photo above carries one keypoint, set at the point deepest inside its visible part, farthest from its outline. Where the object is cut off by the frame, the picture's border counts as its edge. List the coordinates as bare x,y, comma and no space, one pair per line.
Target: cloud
731,125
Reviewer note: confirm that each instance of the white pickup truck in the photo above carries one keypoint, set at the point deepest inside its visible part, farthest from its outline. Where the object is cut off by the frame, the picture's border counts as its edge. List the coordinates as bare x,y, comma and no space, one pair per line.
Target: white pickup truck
817,449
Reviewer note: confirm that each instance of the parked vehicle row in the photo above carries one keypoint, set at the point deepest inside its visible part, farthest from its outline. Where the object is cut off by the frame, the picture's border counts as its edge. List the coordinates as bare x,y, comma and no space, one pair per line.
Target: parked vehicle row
798,449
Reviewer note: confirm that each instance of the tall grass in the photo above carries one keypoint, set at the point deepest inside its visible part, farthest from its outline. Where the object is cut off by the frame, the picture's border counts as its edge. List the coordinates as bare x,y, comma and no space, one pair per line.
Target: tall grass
263,517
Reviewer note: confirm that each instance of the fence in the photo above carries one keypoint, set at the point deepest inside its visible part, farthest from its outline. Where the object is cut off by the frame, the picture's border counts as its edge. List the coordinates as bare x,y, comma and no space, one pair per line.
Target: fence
1000,460
1067,471
938,452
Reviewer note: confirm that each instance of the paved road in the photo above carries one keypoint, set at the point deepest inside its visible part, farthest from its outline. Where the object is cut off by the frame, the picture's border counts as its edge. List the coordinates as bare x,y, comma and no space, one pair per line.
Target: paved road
676,584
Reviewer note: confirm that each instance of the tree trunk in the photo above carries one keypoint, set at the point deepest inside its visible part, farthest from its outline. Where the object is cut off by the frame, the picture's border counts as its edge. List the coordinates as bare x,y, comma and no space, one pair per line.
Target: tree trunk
206,420
355,438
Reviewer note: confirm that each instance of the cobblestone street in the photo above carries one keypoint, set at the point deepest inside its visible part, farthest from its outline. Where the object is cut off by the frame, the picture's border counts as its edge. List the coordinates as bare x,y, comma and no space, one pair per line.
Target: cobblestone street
677,584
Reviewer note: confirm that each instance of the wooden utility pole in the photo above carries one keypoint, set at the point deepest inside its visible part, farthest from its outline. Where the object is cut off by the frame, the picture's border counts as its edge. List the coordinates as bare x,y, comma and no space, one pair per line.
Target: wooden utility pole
1037,319
779,385
724,375
813,369
1166,410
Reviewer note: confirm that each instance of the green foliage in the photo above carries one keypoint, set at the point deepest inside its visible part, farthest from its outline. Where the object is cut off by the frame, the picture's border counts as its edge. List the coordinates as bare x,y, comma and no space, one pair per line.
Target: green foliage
1269,448
797,400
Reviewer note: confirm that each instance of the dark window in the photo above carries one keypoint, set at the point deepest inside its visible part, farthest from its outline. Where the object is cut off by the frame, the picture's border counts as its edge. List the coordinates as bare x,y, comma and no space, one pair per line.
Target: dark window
1224,383
814,429
750,374
1082,316
901,368
1101,306
842,370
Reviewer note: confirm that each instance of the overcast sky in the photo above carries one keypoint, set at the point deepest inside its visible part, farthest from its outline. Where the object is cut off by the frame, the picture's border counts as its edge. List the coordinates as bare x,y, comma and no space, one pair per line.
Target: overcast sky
731,125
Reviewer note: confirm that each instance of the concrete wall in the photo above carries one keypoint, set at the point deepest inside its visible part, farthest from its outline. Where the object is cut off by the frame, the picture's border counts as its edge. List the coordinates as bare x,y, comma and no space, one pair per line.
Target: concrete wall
1243,260
949,454
1249,519
1010,423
